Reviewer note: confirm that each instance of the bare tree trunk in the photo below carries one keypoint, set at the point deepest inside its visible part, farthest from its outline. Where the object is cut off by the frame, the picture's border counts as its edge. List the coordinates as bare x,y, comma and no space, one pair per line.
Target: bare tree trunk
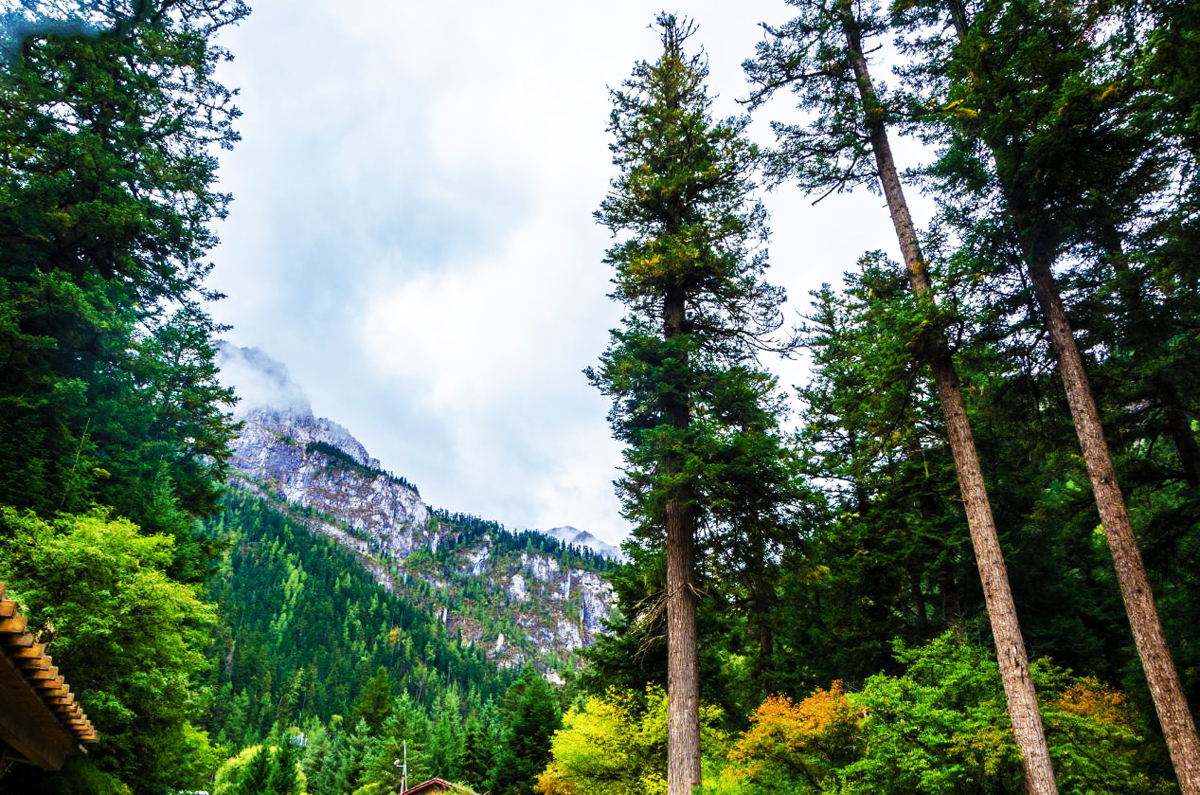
1010,646
1178,726
683,691
683,671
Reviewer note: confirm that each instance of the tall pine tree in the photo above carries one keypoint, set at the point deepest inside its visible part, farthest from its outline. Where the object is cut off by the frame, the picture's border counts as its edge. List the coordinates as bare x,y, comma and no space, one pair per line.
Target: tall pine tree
688,269
822,56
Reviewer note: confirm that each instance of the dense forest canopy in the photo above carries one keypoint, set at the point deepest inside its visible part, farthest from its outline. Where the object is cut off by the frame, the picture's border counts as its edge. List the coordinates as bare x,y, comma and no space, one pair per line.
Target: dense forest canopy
962,557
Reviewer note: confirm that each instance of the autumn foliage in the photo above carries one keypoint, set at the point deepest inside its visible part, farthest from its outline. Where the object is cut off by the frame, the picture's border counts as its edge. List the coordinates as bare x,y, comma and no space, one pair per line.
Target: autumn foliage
808,737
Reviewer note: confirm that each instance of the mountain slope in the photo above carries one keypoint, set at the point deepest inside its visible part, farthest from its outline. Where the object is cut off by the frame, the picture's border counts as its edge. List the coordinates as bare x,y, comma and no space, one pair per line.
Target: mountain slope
518,596
303,629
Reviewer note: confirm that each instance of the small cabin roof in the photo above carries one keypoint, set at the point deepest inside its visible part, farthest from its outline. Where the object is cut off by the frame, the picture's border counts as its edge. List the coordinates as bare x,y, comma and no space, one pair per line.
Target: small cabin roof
435,785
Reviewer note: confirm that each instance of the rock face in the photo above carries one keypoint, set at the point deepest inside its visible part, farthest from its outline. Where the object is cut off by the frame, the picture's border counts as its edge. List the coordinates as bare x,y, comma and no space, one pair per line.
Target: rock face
518,599
295,457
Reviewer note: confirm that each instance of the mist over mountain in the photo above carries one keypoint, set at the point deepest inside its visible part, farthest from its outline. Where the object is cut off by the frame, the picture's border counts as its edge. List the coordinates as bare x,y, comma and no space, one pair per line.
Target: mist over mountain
260,381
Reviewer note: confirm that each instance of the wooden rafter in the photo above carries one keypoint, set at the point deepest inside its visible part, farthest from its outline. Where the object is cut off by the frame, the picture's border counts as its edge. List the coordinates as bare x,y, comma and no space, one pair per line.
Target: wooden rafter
40,721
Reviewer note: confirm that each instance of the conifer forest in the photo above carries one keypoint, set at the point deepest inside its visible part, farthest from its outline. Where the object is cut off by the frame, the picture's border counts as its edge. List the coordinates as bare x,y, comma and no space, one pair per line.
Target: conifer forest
961,557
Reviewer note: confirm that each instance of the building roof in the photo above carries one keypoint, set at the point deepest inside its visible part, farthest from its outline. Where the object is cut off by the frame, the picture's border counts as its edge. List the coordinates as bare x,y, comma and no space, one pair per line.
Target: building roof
435,785
40,721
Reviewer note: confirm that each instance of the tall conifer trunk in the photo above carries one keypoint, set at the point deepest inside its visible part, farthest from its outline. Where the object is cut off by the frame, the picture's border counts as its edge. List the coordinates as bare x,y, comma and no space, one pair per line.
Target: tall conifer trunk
1179,728
683,674
1010,646
690,243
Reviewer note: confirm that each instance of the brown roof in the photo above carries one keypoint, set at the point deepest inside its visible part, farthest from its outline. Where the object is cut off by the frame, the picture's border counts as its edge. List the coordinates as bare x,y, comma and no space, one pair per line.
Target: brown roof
40,722
435,785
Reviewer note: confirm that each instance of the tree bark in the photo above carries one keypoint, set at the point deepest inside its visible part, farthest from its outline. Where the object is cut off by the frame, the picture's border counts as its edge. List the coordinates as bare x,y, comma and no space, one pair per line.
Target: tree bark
1006,631
683,671
683,692
1179,728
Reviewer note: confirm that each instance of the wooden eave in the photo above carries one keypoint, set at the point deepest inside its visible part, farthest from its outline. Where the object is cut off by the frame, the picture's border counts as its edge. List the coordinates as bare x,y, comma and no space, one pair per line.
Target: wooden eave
436,785
40,722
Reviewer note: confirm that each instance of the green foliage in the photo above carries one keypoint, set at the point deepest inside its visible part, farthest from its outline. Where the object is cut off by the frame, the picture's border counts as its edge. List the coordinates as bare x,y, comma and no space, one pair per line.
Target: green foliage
617,744
108,386
691,258
125,635
533,717
475,761
939,727
374,704
405,736
262,770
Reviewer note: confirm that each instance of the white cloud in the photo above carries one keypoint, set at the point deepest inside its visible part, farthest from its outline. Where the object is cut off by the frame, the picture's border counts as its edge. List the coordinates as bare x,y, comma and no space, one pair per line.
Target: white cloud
412,230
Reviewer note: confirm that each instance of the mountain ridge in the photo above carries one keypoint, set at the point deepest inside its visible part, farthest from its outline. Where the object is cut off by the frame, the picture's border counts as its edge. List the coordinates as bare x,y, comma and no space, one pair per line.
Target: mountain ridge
520,595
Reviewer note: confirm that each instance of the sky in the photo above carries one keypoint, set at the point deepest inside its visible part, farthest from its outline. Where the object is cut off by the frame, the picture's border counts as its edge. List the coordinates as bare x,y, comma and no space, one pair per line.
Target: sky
412,233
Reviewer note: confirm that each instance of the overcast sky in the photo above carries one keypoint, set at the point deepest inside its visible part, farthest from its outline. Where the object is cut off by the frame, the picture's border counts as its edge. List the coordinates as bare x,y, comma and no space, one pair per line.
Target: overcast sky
412,232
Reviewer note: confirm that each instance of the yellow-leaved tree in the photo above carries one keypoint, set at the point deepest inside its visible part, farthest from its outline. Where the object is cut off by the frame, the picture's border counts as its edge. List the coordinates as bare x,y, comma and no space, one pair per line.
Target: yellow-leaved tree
618,744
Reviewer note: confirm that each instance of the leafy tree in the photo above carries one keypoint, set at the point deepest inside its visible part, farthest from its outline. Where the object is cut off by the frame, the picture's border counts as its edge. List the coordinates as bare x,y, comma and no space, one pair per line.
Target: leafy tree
404,736
617,743
262,770
938,727
106,200
688,269
126,636
285,775
374,704
475,762
446,739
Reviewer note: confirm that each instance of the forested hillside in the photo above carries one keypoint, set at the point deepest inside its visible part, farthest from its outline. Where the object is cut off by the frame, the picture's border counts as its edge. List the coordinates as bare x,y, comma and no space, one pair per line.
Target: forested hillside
518,596
304,627
962,557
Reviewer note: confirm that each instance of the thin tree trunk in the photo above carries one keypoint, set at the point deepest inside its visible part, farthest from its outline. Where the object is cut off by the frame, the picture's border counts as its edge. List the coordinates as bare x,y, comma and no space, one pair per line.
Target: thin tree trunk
918,596
683,672
761,598
1010,646
948,590
1180,427
1179,729
947,587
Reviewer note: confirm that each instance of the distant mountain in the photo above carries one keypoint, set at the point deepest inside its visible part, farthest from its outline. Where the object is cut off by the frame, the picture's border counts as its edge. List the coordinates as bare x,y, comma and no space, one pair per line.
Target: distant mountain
582,538
519,595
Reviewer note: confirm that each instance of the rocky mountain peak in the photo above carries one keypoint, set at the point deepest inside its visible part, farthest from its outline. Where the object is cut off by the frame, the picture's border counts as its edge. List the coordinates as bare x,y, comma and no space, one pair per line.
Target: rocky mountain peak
485,581
582,538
